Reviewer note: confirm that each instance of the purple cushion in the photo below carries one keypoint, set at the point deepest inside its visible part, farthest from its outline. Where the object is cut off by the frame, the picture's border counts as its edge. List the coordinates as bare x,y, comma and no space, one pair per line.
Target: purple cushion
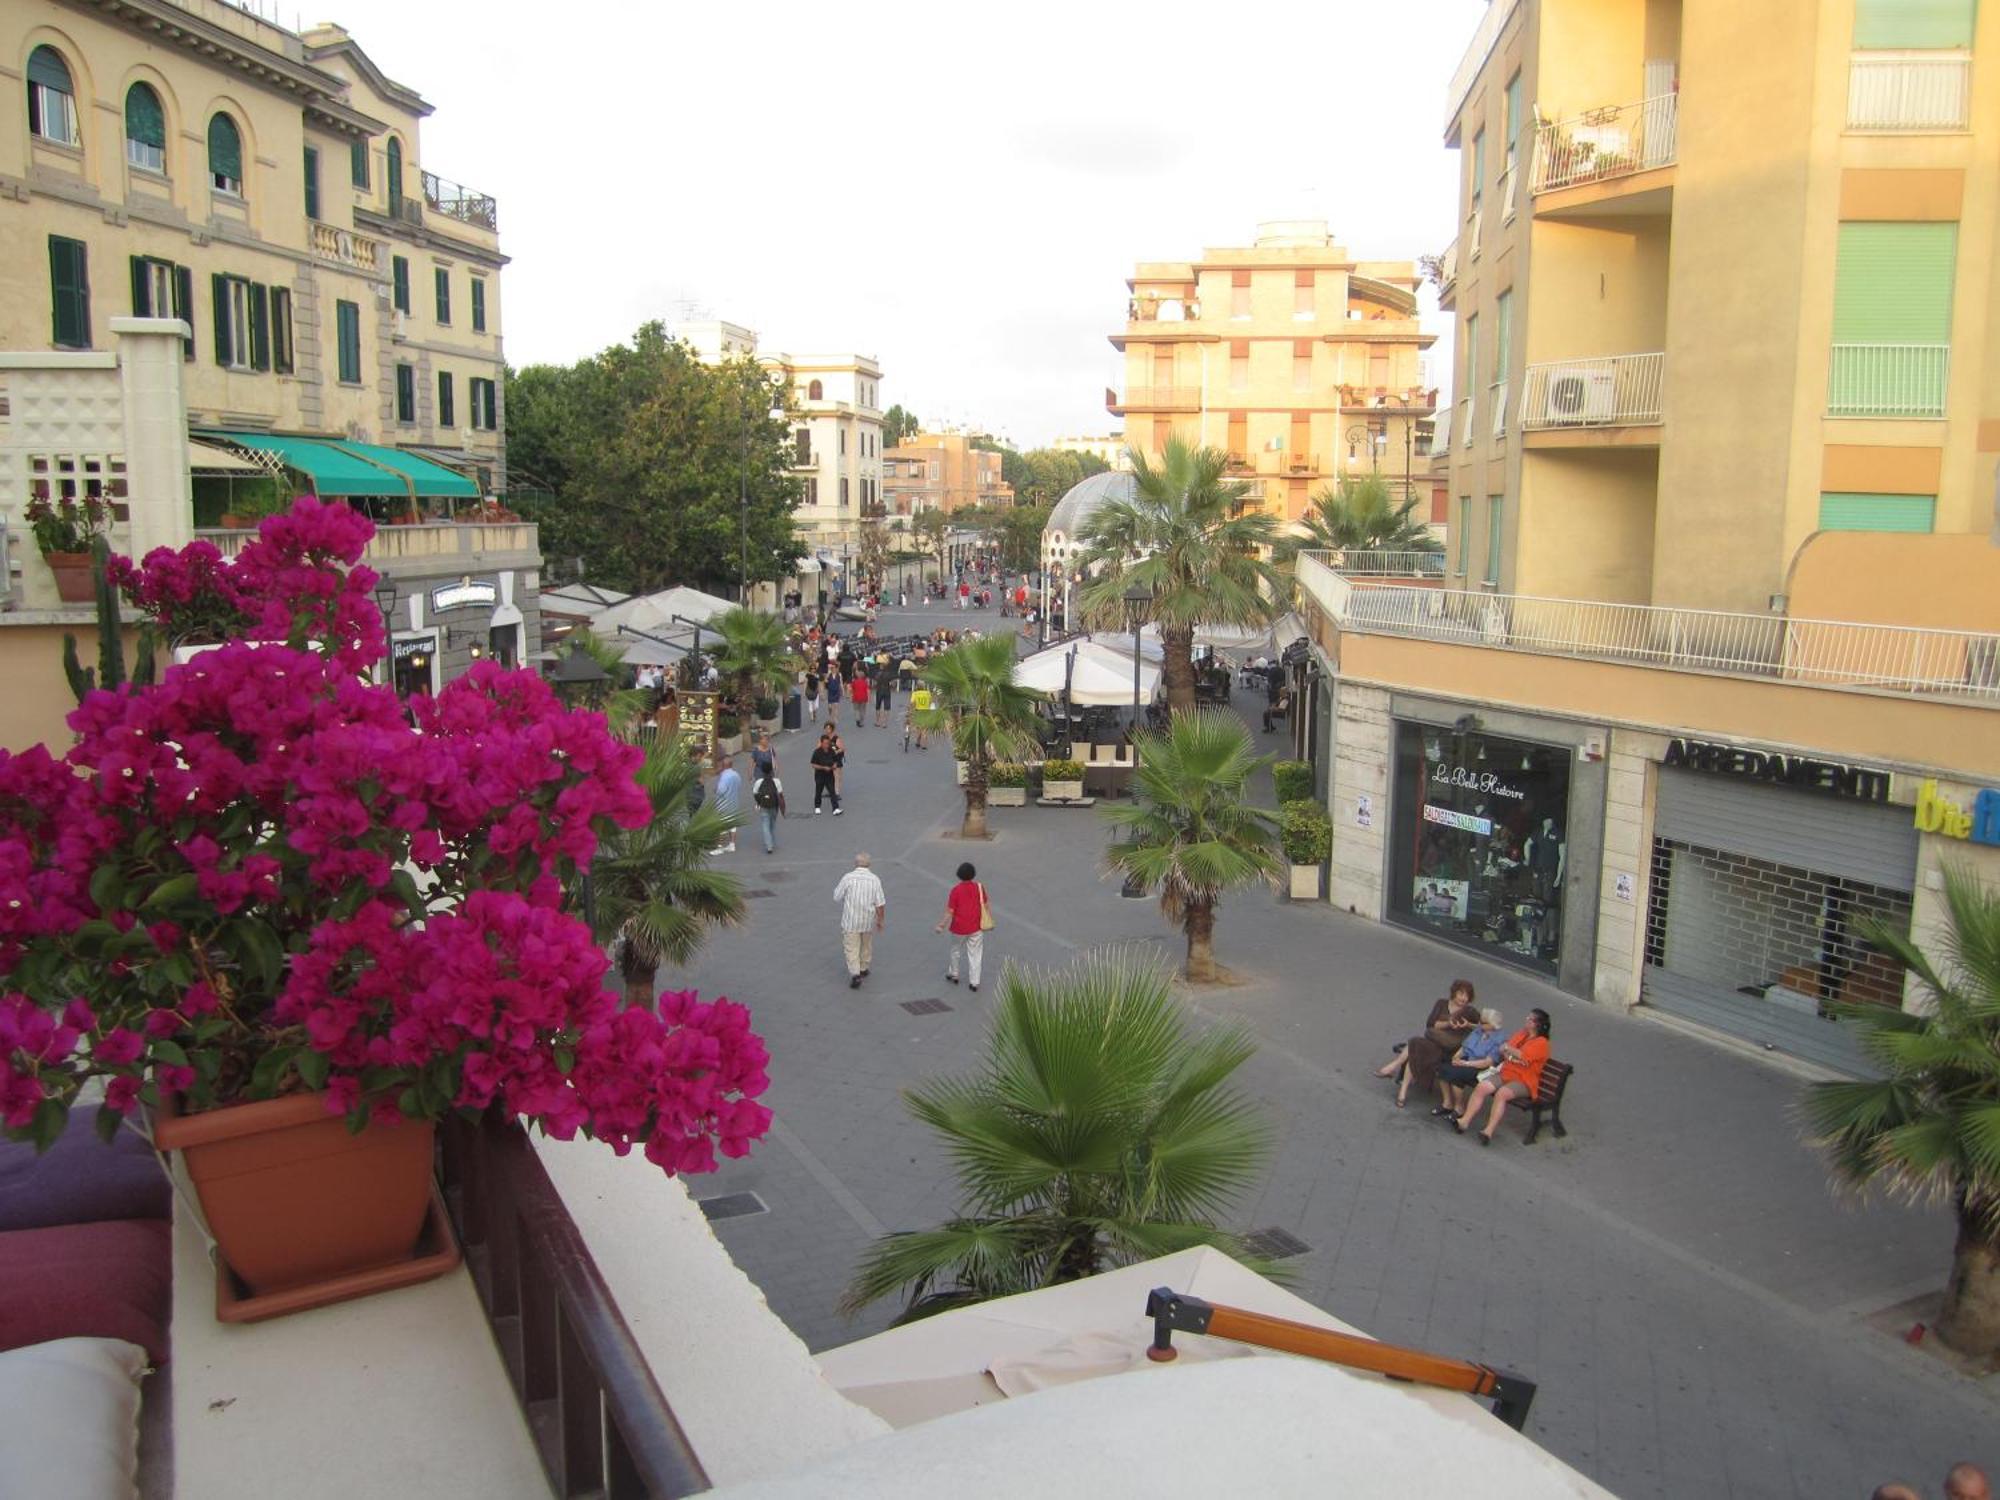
105,1281
81,1180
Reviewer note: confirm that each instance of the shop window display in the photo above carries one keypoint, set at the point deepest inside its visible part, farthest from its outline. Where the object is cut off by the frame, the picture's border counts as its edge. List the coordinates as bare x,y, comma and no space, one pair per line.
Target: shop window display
1479,841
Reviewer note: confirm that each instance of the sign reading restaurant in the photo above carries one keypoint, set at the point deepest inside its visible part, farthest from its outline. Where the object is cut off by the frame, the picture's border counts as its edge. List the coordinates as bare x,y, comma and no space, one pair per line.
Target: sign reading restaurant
1778,769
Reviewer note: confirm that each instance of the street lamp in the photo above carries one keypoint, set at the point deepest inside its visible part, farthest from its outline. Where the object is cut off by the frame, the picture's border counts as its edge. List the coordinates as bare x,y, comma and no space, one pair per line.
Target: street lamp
577,674
1138,604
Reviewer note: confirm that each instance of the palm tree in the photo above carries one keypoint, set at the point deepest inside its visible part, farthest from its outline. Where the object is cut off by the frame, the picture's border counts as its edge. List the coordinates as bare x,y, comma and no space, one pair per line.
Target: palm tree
1188,830
1096,1133
1358,515
1188,537
1929,1128
752,653
654,896
991,717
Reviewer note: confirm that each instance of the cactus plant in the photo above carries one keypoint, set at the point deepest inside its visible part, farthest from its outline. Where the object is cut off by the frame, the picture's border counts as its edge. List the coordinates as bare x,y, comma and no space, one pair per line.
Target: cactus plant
110,671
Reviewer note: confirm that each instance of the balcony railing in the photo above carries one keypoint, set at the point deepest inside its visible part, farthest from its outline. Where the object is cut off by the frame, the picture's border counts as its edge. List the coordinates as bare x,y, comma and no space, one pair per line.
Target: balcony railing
1163,309
1155,398
1607,143
1622,390
1895,91
1826,653
345,248
461,203
1355,562
449,539
1888,380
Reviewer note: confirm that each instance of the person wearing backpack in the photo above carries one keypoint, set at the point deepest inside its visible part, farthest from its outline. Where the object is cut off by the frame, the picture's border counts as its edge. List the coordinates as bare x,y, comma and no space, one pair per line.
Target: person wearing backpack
769,794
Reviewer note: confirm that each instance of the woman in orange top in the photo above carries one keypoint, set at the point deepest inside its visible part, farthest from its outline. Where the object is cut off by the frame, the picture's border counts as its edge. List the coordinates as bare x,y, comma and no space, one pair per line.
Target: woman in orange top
1519,1077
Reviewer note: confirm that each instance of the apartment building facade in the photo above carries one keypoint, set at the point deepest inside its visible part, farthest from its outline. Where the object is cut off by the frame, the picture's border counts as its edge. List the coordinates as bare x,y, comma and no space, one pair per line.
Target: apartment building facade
1110,448
942,471
1299,361
1713,675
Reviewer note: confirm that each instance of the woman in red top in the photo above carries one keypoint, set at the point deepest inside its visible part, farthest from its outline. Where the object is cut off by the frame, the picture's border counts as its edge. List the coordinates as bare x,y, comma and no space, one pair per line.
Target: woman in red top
1519,1077
963,908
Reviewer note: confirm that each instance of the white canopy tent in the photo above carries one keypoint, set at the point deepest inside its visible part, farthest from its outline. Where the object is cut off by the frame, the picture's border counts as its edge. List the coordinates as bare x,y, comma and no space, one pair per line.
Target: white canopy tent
1100,678
655,612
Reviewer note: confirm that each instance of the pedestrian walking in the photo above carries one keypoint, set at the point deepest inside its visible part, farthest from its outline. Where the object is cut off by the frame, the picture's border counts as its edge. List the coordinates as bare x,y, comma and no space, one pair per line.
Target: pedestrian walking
839,762
763,759
768,793
833,686
857,689
825,764
920,704
815,687
864,909
885,691
729,801
968,917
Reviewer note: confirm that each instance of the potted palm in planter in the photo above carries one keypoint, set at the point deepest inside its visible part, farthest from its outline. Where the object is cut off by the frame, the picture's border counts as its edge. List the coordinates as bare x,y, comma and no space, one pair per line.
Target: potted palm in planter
1007,784
64,529
1307,837
1062,780
259,903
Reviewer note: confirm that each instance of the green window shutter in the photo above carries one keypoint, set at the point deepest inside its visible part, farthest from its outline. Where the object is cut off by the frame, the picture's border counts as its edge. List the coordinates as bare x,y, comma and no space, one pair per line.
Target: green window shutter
1471,362
1857,512
357,164
1478,164
218,288
184,307
478,305
406,393
1464,533
46,67
395,157
1495,505
1503,333
69,292
400,268
1513,116
260,326
312,182
281,330
141,290
1892,283
225,148
447,408
347,317
443,280
145,120
1913,23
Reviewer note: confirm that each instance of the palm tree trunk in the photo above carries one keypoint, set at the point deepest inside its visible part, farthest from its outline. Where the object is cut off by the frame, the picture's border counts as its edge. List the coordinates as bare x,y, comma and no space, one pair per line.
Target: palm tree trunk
1970,1319
974,826
1199,925
1177,661
639,981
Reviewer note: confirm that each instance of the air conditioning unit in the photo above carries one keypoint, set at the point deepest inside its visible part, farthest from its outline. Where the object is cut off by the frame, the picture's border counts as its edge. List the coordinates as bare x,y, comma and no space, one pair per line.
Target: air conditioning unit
1579,394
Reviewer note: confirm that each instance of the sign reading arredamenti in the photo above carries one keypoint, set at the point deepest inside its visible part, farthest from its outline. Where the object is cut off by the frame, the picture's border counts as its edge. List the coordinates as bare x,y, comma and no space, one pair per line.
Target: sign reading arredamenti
1778,769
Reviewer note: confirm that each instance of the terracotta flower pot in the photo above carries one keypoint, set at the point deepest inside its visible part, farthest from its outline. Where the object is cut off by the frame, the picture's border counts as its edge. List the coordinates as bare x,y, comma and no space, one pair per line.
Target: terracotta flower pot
74,585
293,1197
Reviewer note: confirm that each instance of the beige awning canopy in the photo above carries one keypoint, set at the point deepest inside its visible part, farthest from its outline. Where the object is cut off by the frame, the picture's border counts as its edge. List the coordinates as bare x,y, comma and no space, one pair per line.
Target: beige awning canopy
205,458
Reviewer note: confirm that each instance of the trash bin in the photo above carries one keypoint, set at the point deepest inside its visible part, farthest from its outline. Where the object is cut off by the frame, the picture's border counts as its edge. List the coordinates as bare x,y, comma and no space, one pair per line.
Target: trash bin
794,711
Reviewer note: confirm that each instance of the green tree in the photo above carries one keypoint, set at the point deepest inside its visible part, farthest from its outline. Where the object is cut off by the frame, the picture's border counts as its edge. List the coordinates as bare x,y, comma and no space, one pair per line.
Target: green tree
991,717
1928,1129
898,425
1097,1132
1186,535
646,450
1020,537
752,652
654,896
932,531
1359,514
1189,833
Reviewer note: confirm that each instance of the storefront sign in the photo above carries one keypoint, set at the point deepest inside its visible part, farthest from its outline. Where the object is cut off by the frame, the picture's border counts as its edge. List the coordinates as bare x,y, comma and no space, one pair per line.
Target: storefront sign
1484,782
464,594
697,728
1937,813
1780,770
406,650
1465,822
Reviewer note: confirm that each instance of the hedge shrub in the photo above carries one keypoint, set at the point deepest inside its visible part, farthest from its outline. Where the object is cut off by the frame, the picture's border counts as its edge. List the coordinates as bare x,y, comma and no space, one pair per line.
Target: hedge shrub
1304,832
1294,780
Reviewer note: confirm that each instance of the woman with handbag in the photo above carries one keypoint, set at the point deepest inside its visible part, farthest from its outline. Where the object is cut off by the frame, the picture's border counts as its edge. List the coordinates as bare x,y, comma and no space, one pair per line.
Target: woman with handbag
968,917
1451,1020
1519,1076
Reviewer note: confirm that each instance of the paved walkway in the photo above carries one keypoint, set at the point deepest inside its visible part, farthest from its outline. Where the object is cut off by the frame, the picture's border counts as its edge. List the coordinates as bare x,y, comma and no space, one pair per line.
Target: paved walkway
1674,1274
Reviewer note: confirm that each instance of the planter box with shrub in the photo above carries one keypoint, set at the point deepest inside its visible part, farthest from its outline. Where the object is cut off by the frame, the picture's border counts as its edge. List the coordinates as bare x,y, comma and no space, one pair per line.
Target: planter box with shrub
1293,780
1307,838
1062,780
1007,784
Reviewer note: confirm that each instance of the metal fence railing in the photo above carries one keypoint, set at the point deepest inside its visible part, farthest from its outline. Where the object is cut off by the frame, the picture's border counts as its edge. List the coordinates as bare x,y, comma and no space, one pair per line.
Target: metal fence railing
1829,653
1358,562
1888,380
1600,144
1616,391
1893,91
461,203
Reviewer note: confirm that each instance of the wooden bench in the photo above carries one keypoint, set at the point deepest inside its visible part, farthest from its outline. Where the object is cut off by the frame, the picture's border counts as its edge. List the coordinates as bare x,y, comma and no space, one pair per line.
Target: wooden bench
1547,1101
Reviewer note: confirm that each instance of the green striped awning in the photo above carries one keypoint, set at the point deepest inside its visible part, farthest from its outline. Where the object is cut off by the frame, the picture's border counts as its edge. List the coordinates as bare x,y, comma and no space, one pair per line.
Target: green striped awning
426,477
355,469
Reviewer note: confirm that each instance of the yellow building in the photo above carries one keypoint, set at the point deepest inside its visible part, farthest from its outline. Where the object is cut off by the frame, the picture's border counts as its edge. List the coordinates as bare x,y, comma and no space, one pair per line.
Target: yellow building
942,471
1713,672
189,159
1109,448
1300,362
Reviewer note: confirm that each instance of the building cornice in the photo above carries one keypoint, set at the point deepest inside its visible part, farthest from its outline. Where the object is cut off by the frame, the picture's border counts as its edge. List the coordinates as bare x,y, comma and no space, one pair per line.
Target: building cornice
422,235
399,94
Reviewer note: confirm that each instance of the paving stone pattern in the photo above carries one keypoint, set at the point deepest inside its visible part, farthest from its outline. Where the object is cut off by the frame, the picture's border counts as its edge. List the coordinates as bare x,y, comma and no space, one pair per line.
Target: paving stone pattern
1673,1274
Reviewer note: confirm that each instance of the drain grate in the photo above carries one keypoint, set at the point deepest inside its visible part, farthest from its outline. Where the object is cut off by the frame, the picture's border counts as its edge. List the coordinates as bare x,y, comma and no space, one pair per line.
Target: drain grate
929,1006
753,895
1274,1244
733,1206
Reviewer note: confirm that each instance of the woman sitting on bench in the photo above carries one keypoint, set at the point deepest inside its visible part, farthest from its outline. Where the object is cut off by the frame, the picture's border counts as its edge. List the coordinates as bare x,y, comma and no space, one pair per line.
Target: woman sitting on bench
1451,1020
1480,1051
1519,1076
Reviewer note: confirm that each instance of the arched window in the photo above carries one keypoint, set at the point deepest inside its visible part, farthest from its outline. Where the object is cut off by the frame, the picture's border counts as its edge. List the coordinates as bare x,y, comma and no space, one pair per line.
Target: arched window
814,392
225,155
145,128
51,98
395,154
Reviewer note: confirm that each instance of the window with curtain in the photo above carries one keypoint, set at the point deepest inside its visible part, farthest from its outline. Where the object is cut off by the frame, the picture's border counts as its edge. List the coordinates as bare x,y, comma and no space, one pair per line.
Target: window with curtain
145,129
1913,24
1495,507
242,323
51,98
225,155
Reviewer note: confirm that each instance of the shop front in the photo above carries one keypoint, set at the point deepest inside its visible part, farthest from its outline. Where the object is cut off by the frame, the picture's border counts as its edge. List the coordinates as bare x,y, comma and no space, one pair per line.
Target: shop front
1766,870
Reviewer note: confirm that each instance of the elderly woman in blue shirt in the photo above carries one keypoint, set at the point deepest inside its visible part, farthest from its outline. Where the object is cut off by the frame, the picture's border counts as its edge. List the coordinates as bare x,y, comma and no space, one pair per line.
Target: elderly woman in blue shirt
1479,1051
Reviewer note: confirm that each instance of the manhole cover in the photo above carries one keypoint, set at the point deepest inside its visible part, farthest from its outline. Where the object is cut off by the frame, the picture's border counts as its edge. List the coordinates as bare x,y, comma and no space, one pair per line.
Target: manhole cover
733,1206
926,1007
753,895
1275,1244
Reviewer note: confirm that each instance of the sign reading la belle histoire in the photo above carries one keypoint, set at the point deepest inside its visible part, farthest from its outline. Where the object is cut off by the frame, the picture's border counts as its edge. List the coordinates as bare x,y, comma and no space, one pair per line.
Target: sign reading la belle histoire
1777,769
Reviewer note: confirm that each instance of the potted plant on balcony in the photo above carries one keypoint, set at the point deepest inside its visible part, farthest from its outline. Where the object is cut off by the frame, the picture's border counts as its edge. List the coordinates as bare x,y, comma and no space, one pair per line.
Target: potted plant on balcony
299,921
1007,784
1062,780
64,528
1307,838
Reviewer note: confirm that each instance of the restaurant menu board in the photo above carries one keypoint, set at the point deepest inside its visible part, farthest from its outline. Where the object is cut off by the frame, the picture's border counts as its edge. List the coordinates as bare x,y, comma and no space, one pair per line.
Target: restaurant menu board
697,727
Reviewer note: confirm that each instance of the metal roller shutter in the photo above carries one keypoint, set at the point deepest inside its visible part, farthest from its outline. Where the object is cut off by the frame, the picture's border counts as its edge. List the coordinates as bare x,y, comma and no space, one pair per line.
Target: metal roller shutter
1855,840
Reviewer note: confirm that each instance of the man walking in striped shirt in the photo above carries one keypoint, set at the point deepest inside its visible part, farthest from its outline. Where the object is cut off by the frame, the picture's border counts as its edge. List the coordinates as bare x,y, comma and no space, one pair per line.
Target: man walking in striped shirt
863,908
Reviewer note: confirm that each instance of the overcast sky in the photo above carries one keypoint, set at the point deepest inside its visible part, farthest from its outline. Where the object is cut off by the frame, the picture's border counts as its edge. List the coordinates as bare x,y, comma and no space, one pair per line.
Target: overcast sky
959,190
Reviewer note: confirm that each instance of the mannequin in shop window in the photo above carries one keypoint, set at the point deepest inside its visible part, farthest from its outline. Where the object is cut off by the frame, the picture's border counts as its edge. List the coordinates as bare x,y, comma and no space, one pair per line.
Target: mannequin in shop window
1545,859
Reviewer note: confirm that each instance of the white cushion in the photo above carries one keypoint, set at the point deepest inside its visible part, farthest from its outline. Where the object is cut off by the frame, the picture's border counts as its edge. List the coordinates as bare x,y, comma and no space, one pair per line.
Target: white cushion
69,1419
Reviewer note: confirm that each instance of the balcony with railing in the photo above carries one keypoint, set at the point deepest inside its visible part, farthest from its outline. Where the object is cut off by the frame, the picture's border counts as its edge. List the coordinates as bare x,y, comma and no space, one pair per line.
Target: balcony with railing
1619,390
461,203
1153,398
1148,307
1610,144
343,247
442,546
1897,92
1888,380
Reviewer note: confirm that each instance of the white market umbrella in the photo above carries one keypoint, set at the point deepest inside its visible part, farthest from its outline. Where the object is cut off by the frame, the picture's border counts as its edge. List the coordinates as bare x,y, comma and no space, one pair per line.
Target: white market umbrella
1099,679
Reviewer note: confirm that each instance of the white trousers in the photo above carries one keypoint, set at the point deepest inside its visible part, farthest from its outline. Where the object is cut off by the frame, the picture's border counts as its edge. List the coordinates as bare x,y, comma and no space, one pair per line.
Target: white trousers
973,945
859,950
